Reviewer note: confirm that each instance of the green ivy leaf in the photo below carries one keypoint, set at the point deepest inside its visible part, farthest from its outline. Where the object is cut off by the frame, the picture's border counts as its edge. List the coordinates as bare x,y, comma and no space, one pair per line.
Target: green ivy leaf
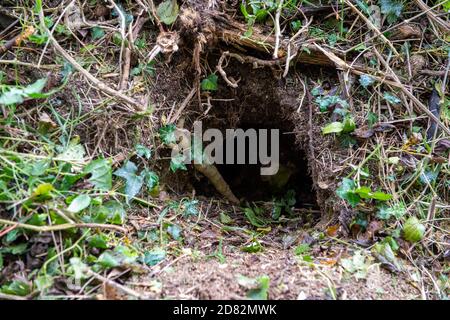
210,83
37,219
143,151
349,125
133,182
253,218
224,218
153,257
190,208
252,247
101,174
17,288
97,33
151,179
301,249
174,231
334,127
258,287
167,11
109,259
43,282
296,25
80,203
121,255
384,249
79,268
177,163
15,249
17,94
43,191
396,211
392,10
446,6
167,134
328,101
115,212
366,193
381,196
99,241
365,80
391,98
73,152
346,191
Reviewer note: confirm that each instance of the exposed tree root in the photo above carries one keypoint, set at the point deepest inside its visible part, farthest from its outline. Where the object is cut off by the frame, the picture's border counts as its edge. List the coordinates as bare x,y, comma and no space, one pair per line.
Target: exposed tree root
207,169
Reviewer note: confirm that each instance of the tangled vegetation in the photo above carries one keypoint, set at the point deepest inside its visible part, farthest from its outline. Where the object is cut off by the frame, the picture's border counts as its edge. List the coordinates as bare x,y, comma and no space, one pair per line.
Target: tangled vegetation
93,92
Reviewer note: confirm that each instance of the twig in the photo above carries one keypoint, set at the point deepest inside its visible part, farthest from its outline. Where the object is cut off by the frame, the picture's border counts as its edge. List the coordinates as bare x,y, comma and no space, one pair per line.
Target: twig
127,61
303,95
437,73
444,81
184,104
7,230
96,82
277,29
30,65
233,84
432,16
242,59
123,26
4,296
59,227
16,41
116,285
290,56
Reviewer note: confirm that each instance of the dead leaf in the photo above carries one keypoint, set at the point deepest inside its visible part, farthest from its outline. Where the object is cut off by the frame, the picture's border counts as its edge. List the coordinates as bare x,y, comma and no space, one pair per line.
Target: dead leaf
110,292
332,230
442,146
364,132
418,63
44,118
328,262
406,31
382,127
323,185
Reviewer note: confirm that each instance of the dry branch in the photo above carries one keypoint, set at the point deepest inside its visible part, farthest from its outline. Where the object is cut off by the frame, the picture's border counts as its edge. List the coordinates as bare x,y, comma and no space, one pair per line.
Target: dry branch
208,170
16,41
60,227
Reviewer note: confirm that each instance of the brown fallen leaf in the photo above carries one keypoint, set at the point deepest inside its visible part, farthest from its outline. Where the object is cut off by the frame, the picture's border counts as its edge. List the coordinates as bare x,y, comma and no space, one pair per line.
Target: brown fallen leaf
328,262
406,31
364,132
373,227
418,63
442,146
332,230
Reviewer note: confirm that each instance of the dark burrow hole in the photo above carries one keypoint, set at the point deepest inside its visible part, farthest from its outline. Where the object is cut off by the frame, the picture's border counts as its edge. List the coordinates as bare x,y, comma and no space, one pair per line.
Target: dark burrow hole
249,185
260,103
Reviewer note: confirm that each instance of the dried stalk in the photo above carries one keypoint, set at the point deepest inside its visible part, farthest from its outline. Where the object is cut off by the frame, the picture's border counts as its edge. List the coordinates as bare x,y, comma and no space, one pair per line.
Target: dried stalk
60,227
